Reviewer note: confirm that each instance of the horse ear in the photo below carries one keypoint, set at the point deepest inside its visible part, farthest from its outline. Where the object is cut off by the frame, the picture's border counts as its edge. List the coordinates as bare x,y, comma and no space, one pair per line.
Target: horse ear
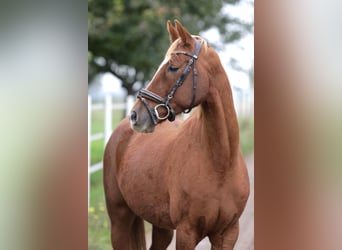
183,33
172,32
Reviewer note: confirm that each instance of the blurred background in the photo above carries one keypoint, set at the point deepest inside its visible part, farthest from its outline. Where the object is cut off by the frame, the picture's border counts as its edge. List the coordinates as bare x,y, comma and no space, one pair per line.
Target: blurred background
127,41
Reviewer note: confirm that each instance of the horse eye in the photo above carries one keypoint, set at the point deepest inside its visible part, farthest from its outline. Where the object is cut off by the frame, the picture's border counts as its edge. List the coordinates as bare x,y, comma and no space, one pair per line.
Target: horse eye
172,68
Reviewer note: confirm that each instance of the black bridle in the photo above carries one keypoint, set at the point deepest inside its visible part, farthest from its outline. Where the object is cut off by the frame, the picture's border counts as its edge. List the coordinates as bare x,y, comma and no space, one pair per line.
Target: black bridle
164,103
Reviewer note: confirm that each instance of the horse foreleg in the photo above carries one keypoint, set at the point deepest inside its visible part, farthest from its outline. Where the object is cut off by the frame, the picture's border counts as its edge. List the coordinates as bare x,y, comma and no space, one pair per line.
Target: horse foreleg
121,226
127,230
225,240
161,238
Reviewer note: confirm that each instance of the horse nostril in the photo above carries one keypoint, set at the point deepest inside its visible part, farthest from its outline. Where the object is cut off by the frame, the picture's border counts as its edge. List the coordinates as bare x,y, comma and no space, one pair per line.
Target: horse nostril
133,116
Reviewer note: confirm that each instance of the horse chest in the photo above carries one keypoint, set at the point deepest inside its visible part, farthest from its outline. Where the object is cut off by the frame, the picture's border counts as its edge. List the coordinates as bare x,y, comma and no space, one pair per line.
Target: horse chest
144,190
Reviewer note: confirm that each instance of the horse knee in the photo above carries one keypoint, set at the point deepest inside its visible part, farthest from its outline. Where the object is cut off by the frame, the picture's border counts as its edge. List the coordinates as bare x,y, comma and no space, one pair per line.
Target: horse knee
225,240
119,237
121,222
128,235
161,238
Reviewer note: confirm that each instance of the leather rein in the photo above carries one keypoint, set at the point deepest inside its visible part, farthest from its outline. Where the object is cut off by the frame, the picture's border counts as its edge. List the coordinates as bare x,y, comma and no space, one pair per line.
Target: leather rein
164,103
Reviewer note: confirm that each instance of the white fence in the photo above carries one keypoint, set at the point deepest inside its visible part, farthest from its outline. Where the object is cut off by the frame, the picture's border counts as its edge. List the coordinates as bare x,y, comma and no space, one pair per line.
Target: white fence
108,106
243,101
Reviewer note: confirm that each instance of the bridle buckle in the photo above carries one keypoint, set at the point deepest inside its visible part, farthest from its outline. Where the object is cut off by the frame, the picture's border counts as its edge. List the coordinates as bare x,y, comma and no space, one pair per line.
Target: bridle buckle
156,110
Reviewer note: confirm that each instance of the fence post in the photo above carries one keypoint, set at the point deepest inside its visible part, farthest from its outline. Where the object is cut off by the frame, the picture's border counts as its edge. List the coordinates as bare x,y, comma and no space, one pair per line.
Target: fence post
89,146
108,118
129,104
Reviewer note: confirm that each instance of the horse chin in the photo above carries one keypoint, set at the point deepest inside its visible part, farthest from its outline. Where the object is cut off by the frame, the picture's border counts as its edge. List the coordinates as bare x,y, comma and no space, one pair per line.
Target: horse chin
145,128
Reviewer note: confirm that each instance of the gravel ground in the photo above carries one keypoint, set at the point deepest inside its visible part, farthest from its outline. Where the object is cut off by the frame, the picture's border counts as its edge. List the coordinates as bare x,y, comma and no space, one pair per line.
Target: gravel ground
246,236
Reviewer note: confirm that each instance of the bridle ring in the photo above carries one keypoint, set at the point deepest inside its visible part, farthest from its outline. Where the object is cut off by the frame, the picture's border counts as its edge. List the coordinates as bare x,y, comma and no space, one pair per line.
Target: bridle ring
165,107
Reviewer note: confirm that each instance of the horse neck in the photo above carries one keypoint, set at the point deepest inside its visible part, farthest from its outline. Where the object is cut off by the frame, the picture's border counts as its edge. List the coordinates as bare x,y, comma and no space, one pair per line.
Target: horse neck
220,126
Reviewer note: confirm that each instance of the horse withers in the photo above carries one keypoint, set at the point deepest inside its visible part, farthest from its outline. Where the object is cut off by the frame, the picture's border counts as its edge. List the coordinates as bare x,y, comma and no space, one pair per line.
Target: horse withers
188,176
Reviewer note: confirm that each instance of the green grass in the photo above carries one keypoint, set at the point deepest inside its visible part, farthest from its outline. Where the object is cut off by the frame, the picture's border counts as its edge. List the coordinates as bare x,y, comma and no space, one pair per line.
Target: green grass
97,126
97,148
98,221
246,125
97,120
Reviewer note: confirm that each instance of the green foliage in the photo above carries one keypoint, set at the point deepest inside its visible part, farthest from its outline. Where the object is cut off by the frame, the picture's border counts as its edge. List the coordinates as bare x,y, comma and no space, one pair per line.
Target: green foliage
129,38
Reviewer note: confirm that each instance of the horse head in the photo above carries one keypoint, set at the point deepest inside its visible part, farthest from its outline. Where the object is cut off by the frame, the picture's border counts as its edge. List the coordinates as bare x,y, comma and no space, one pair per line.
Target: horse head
180,83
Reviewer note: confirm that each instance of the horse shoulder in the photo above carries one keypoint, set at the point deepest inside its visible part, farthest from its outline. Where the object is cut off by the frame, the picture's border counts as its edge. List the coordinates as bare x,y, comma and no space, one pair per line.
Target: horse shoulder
117,144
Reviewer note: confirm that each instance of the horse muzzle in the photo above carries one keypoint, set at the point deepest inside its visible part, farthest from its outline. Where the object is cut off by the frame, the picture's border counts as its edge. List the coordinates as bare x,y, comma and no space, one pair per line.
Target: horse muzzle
141,122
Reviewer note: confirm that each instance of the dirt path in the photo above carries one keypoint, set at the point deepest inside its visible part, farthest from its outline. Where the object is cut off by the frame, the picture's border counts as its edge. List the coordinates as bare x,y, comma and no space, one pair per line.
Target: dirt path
246,236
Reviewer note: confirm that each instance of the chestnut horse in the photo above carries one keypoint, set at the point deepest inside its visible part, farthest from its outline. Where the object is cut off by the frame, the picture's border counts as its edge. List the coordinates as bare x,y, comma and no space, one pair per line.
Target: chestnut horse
184,175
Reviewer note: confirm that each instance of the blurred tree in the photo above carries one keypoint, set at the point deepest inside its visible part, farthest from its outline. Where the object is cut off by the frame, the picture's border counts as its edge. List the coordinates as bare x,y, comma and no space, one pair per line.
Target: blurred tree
128,38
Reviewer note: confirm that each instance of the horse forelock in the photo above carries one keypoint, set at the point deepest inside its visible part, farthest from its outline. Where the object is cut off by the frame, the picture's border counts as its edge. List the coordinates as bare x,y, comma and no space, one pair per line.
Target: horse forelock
173,47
